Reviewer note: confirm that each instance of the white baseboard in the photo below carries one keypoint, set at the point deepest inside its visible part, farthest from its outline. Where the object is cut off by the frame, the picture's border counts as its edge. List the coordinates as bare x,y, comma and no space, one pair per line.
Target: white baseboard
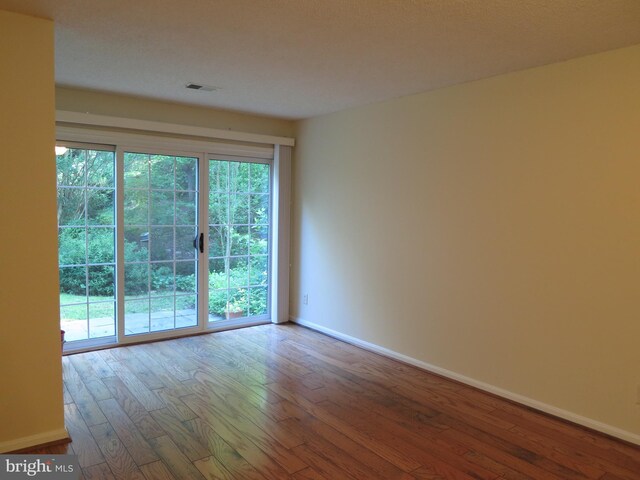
34,440
543,407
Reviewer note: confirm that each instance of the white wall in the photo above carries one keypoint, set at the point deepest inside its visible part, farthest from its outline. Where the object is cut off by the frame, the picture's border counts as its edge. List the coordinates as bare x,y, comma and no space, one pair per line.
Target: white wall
102,103
31,408
491,229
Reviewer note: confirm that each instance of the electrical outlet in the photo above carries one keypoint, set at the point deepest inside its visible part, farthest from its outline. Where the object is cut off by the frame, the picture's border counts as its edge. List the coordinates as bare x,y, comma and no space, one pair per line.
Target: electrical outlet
305,299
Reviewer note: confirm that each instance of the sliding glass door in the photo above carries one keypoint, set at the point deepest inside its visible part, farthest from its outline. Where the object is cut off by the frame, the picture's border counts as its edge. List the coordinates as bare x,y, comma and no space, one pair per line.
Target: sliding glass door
239,221
160,225
86,242
154,244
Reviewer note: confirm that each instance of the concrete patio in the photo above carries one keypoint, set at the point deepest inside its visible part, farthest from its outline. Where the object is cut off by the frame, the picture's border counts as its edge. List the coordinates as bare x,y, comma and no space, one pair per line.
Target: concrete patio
134,323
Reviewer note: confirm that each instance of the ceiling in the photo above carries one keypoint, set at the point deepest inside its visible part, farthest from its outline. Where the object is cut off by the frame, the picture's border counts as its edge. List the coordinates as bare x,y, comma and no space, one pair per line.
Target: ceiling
300,58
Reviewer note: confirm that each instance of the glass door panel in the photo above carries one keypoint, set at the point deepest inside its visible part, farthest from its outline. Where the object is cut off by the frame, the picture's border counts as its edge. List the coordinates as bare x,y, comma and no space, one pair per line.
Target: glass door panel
160,224
239,218
86,243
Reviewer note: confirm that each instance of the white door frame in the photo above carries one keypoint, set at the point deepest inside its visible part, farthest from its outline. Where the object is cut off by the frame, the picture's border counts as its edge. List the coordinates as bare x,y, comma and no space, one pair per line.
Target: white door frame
278,155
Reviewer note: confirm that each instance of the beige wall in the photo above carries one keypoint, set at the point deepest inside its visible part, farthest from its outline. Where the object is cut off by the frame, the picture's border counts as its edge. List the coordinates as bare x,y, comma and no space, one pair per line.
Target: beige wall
30,367
86,101
491,229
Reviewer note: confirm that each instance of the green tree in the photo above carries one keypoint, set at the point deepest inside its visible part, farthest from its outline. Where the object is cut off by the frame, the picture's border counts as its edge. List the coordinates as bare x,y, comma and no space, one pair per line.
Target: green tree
159,189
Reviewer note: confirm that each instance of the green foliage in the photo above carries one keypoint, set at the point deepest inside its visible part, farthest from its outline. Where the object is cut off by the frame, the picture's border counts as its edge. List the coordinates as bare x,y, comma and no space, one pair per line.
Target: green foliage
245,300
238,213
258,301
74,249
135,279
185,283
162,278
85,187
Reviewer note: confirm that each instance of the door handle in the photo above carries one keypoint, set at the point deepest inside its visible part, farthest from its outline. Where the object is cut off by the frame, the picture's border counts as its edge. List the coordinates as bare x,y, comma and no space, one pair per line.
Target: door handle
198,242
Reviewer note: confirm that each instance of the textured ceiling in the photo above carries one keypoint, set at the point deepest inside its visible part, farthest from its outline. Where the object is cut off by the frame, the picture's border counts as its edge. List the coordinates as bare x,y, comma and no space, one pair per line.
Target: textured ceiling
300,58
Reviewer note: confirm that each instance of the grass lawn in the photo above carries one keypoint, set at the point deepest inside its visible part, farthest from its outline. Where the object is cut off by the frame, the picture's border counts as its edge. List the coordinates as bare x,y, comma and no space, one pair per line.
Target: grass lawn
97,310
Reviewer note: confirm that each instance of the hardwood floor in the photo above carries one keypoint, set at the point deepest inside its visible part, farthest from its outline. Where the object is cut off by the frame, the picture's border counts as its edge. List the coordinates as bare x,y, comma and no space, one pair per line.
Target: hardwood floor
278,402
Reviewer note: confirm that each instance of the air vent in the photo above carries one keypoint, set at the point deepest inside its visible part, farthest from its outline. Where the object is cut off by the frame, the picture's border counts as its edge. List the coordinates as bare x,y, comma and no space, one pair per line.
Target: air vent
200,87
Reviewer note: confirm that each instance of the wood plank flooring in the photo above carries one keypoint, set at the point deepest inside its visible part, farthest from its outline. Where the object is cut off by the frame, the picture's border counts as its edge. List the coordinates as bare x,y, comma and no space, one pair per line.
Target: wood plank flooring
284,402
